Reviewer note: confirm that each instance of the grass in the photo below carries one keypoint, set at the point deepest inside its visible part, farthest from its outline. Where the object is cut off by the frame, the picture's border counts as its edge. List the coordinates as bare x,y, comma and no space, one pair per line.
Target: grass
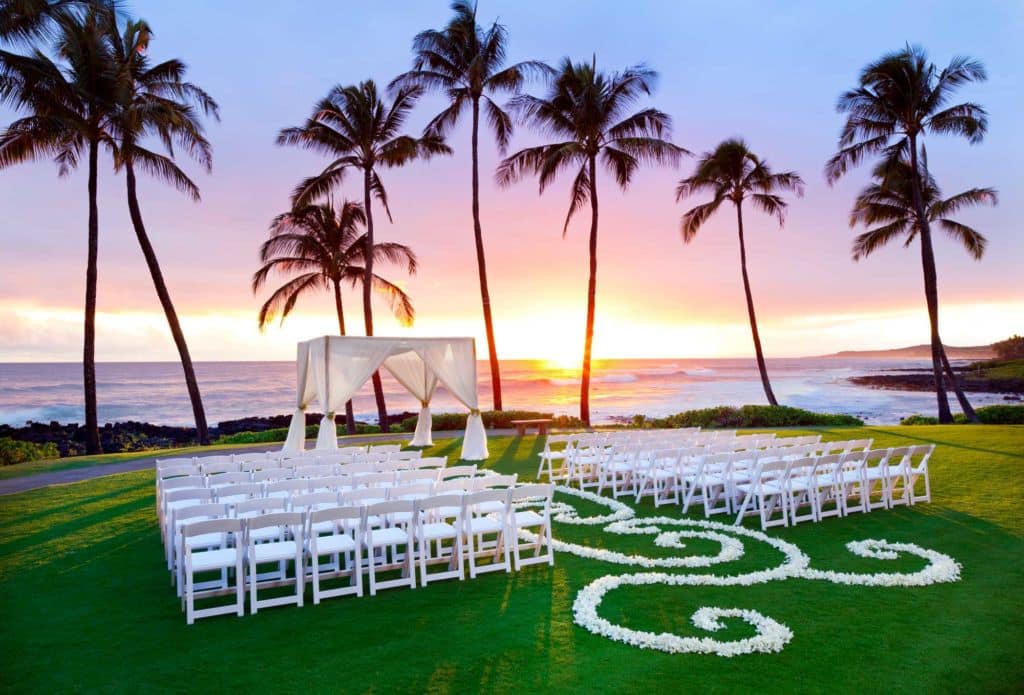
86,603
1009,369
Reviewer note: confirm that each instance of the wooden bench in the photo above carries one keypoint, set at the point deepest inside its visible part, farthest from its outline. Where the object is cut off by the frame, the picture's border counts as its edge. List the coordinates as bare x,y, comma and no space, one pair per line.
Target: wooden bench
522,425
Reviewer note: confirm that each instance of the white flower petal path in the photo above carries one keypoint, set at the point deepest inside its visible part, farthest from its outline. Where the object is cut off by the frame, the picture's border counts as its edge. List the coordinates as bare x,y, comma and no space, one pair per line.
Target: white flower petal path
771,635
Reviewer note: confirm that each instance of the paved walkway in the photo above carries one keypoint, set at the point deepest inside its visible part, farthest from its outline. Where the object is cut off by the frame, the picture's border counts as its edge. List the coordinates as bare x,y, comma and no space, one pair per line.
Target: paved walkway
74,475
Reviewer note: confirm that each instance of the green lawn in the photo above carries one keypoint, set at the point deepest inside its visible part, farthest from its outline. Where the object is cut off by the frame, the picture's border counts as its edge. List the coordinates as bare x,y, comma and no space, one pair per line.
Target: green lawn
86,602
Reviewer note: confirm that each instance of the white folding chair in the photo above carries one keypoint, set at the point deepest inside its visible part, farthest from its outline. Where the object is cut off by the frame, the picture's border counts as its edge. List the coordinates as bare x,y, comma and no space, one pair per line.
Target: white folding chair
828,487
232,494
431,462
456,472
383,537
659,473
207,558
710,480
485,515
919,471
224,479
801,488
767,492
190,515
287,488
343,542
876,477
212,465
384,449
538,521
439,536
286,545
552,457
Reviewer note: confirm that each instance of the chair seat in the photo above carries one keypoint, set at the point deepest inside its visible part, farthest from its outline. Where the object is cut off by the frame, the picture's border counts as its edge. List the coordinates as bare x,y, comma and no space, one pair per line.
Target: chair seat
387,536
449,512
204,540
322,527
485,524
337,543
267,533
271,552
213,559
551,455
528,518
492,507
435,530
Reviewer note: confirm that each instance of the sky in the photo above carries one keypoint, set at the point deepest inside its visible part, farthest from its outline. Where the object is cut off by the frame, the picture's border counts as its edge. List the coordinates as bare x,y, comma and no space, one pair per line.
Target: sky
767,71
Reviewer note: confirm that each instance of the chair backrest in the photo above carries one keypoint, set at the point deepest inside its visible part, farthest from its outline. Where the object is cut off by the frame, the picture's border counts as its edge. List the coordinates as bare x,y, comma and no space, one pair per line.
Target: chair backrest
318,516
313,500
414,475
201,511
360,469
772,470
222,479
293,521
331,482
447,502
381,480
288,486
272,474
250,456
212,465
456,471
522,493
485,482
384,448
239,493
315,470
431,462
409,455
261,505
455,485
410,492
363,496
481,496
188,482
198,494
921,453
259,464
174,470
207,526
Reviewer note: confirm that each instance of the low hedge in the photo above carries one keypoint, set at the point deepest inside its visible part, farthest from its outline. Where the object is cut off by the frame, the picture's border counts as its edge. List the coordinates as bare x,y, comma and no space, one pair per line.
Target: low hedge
989,415
492,420
725,416
279,434
13,451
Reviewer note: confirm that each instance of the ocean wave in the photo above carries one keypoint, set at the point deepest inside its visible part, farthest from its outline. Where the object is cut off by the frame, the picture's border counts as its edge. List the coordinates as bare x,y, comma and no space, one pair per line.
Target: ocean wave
606,379
699,371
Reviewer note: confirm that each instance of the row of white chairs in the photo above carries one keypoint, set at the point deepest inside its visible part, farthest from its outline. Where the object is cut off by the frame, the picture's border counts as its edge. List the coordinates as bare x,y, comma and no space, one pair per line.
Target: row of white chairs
388,536
255,461
189,491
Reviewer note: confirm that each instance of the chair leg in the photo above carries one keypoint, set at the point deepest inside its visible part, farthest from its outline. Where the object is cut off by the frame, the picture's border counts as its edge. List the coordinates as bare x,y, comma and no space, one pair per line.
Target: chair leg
239,588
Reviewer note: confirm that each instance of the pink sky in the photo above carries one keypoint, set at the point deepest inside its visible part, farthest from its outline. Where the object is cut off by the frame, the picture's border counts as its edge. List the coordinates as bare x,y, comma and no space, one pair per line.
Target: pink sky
656,297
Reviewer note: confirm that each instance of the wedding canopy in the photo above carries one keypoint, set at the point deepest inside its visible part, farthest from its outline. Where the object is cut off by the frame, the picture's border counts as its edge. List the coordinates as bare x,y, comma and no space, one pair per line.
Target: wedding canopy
332,368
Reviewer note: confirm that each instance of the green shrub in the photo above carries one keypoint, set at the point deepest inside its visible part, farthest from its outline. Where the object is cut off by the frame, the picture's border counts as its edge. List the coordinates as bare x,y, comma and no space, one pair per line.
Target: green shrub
279,434
1001,414
919,420
14,451
725,416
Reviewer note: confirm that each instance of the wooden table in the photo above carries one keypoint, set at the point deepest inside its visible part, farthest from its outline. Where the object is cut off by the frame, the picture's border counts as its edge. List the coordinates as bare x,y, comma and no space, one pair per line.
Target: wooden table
522,425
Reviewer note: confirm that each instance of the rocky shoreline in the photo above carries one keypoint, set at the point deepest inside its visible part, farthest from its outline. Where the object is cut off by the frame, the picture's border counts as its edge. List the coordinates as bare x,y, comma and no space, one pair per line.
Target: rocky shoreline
923,381
134,436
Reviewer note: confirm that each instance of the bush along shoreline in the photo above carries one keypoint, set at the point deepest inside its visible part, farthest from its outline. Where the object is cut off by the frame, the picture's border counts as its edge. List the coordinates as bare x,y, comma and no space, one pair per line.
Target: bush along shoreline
989,415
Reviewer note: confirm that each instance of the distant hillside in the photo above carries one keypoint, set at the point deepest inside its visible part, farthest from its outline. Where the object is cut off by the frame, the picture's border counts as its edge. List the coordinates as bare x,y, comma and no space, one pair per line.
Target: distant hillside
978,352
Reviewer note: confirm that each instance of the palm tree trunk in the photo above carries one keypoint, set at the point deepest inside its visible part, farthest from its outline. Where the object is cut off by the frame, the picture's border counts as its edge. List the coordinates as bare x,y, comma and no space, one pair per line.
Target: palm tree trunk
350,420
92,432
485,295
378,388
965,405
202,431
588,339
769,394
931,292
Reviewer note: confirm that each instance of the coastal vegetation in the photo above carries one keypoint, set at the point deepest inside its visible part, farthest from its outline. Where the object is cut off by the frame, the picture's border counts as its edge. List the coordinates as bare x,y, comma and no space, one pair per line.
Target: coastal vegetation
988,415
84,559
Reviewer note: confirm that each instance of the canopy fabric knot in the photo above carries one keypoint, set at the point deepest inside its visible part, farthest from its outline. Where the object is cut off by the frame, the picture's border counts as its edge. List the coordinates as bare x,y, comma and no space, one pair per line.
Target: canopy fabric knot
331,369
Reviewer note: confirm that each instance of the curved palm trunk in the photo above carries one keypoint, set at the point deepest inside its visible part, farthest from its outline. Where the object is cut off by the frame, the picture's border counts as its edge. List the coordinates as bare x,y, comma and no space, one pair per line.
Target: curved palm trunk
378,388
350,420
965,404
769,394
591,296
92,432
485,295
191,384
931,292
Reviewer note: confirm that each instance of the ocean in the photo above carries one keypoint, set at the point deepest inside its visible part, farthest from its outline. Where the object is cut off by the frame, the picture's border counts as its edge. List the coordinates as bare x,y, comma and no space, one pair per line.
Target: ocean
155,392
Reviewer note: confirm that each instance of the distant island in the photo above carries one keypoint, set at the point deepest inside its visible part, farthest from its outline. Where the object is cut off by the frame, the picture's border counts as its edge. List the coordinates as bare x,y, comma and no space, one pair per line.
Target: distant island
978,352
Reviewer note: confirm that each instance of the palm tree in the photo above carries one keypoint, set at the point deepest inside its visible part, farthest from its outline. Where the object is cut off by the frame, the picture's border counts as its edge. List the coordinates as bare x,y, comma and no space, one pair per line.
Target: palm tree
888,202
733,173
28,20
324,249
154,100
587,110
359,131
466,63
69,105
900,98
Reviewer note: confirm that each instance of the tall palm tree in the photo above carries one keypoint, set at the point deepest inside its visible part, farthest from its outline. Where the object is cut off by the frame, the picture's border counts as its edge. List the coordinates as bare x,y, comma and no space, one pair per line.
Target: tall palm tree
898,100
588,112
466,63
359,131
324,249
29,20
69,106
733,173
155,101
889,203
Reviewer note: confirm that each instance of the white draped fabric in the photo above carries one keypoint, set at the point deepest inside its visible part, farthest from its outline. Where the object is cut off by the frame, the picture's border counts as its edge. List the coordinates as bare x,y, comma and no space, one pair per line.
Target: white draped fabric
332,368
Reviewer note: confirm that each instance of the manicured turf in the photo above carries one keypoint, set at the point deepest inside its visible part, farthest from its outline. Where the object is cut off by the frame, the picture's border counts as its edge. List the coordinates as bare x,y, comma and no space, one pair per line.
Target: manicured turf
86,603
